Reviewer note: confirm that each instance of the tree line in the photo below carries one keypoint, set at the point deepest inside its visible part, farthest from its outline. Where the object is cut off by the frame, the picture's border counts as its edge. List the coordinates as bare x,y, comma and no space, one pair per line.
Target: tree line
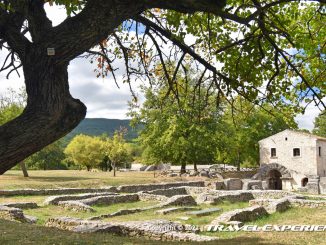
188,131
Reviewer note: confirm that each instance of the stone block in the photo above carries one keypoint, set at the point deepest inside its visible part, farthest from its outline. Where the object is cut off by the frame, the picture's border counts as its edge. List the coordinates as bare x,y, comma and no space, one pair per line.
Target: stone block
219,185
233,184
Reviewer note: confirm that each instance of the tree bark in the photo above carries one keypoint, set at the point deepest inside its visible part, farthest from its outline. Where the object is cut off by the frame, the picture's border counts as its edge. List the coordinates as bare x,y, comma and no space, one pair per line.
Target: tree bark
195,167
51,112
183,168
23,168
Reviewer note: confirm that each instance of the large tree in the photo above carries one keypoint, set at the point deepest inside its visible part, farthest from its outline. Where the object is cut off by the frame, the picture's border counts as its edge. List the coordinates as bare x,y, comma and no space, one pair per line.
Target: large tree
243,125
179,130
258,49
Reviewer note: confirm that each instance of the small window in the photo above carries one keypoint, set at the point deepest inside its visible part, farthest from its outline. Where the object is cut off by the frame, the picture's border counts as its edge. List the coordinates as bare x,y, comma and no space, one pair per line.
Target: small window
296,152
273,152
319,151
286,138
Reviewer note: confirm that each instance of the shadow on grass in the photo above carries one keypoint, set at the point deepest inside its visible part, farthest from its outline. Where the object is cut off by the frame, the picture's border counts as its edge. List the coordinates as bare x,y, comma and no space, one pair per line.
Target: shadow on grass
16,233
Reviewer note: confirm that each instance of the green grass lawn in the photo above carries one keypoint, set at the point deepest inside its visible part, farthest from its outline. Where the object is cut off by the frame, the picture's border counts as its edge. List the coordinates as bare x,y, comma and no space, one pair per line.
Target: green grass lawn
16,233
73,178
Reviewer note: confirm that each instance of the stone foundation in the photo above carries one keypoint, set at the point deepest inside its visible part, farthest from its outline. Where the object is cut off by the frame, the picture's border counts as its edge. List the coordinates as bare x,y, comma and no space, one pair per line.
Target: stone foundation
154,229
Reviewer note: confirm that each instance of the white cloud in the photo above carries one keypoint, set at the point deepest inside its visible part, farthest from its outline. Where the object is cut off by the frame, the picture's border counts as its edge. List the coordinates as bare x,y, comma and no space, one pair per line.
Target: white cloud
306,120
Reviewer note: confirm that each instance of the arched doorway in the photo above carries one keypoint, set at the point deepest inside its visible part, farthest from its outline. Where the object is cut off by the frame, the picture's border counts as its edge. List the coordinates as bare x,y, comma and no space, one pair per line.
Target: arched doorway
274,180
304,182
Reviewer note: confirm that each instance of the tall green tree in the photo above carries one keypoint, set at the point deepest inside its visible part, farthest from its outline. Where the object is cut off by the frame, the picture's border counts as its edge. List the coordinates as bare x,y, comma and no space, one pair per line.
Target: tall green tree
178,129
243,125
320,124
253,48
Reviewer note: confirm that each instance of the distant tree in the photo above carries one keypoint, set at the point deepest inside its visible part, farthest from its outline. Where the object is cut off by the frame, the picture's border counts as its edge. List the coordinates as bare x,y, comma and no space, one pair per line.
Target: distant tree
243,125
320,124
117,151
51,157
86,151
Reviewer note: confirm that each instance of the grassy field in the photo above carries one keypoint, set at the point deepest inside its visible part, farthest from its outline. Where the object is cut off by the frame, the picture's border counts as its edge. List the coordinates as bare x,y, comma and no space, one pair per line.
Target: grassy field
16,233
74,178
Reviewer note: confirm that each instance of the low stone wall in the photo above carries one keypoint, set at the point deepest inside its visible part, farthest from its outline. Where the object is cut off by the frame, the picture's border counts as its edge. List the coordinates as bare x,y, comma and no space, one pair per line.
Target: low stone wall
21,205
122,188
154,229
191,190
241,215
272,205
76,206
55,199
307,203
271,194
62,191
108,200
150,197
231,197
169,192
15,214
151,187
179,200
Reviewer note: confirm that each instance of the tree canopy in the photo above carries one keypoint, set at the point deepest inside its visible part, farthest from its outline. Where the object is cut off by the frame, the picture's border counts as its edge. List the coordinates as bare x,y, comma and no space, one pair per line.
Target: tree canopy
320,124
265,51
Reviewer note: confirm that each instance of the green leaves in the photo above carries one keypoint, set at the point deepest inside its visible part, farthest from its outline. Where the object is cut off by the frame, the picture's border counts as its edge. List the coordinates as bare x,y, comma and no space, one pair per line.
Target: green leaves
86,151
320,124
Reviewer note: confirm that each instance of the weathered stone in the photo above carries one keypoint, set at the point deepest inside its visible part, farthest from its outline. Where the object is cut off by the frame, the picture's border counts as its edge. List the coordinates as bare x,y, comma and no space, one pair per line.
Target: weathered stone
307,203
204,173
248,184
169,192
14,214
119,213
179,200
313,186
76,206
233,184
110,199
272,205
55,199
224,196
204,212
174,209
242,215
150,197
21,205
220,185
150,187
154,229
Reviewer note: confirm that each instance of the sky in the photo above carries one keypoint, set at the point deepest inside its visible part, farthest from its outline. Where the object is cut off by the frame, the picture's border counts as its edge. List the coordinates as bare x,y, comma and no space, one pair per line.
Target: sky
101,96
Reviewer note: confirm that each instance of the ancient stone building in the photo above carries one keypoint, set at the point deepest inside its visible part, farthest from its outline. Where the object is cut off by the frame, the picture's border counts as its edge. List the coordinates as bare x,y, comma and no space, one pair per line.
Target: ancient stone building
291,160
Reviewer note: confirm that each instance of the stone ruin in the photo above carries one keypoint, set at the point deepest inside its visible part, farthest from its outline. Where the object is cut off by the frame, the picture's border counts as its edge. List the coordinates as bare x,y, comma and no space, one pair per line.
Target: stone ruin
184,197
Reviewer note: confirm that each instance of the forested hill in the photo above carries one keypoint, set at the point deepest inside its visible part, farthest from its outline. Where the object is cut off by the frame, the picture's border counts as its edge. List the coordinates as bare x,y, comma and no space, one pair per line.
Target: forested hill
98,126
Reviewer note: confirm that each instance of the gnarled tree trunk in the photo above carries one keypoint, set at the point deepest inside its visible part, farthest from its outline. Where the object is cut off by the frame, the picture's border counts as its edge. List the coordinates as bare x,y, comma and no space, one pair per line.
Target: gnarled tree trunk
51,112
